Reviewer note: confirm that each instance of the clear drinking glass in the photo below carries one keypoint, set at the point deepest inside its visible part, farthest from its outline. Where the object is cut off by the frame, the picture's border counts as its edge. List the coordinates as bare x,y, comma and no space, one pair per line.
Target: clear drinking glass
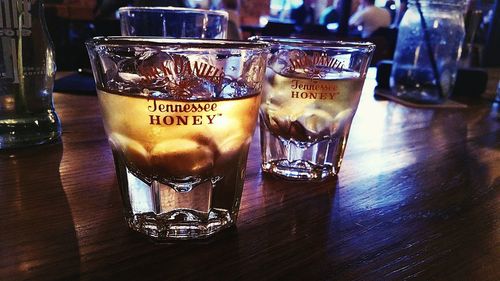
428,48
173,22
311,94
179,115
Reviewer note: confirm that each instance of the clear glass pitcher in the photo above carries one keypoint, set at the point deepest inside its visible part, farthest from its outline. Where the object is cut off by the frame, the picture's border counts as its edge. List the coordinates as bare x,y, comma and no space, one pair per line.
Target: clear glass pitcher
428,48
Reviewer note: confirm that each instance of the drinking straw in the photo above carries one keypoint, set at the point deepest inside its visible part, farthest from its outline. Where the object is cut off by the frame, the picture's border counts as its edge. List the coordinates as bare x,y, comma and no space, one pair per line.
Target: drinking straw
427,40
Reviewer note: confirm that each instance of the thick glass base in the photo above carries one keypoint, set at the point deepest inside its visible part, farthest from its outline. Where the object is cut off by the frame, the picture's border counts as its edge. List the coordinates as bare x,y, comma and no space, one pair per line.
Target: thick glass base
29,129
418,85
194,208
420,96
315,161
181,224
299,170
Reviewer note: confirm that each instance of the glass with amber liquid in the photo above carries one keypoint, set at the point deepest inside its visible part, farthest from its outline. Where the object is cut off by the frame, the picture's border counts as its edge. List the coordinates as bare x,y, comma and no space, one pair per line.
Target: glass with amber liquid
179,115
311,94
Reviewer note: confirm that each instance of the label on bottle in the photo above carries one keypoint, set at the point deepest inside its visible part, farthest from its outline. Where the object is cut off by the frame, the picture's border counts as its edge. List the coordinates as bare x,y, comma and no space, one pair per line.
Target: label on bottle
15,21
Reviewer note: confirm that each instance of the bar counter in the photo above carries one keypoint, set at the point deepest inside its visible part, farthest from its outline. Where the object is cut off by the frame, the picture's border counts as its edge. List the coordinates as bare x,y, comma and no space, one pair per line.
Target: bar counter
417,198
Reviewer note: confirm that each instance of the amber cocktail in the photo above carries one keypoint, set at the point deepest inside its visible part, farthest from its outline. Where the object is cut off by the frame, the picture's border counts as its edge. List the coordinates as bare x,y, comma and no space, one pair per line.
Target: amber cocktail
179,115
311,94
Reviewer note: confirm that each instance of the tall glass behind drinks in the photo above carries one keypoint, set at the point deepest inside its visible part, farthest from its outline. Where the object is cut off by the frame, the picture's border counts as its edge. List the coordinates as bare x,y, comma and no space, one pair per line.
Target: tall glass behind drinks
179,115
311,96
27,70
173,22
429,45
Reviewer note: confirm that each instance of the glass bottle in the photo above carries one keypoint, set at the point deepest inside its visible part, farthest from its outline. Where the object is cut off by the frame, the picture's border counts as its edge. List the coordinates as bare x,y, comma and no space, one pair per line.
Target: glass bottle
427,51
27,69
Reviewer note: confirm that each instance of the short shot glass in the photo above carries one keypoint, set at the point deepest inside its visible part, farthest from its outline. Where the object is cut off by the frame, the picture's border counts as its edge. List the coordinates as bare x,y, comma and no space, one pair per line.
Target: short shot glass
179,115
311,94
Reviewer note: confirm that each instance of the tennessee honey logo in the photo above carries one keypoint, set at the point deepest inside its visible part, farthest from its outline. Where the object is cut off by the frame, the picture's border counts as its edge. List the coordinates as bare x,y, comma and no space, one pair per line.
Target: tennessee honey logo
314,60
182,78
176,72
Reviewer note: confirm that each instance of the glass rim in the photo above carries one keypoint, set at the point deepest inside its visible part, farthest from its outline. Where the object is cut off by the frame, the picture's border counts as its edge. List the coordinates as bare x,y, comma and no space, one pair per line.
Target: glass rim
302,42
172,42
178,9
457,3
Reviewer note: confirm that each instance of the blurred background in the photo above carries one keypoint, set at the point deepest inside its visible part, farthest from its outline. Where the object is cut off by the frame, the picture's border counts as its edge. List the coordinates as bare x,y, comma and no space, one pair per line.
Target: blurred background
71,22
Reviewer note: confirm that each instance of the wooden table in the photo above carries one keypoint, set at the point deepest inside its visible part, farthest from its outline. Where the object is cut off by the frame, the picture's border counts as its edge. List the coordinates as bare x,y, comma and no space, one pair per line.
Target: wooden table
417,199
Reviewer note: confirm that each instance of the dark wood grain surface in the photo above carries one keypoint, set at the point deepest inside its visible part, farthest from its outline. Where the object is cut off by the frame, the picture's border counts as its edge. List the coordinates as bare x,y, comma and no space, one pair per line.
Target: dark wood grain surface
417,199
